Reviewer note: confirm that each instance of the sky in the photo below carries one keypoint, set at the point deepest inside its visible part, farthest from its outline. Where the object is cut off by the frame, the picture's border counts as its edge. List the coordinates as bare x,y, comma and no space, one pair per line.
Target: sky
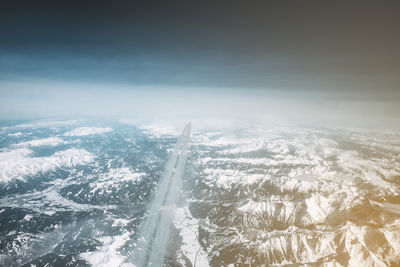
296,62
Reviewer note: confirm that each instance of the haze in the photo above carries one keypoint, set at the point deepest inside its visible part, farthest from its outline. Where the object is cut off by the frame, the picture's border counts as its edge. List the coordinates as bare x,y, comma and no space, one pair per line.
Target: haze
333,64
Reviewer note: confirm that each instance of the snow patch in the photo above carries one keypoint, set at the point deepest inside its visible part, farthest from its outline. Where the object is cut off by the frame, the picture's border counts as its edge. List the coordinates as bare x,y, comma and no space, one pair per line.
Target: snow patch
41,124
108,254
18,163
17,134
83,131
113,179
28,217
188,228
159,130
51,141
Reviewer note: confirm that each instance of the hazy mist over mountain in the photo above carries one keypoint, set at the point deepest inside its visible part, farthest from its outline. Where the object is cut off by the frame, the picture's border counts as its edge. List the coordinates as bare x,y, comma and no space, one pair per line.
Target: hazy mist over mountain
298,63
